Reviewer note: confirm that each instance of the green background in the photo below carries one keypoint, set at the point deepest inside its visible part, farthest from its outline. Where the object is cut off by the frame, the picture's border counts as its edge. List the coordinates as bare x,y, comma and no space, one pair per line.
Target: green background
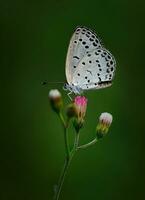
34,40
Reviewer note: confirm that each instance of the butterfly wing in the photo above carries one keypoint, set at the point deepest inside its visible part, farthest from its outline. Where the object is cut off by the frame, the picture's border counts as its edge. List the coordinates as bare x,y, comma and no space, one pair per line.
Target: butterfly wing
95,70
83,40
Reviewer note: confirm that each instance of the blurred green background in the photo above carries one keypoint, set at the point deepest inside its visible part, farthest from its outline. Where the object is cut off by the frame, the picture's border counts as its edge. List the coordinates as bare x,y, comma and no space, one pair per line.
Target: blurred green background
34,41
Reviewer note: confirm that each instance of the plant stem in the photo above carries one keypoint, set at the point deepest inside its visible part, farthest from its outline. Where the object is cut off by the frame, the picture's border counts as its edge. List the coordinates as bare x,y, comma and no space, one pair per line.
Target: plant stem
62,119
61,179
63,174
66,143
88,144
66,166
66,140
76,142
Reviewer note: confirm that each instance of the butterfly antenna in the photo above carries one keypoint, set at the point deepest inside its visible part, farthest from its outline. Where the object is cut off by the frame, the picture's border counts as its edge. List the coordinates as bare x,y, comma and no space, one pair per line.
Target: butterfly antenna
51,82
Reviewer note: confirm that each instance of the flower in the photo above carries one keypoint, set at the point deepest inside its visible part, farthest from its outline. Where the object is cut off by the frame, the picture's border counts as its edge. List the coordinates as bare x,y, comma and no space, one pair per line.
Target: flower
105,121
80,104
55,100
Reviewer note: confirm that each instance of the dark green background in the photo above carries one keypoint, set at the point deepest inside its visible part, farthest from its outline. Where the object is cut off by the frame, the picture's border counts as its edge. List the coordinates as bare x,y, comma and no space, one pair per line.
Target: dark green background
34,40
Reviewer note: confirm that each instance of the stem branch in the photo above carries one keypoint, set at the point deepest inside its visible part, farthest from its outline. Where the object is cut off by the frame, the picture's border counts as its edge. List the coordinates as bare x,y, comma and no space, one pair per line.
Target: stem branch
88,144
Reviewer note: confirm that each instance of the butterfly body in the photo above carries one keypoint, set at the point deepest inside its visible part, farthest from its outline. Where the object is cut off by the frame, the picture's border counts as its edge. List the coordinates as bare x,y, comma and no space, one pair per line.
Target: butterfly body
73,88
88,64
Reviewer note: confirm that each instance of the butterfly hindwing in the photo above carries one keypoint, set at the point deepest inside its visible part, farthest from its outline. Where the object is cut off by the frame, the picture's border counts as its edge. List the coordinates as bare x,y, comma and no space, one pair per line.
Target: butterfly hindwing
82,41
95,70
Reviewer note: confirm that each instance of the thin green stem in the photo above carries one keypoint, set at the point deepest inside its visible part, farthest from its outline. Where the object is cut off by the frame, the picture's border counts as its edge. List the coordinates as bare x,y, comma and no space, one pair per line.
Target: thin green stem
62,119
66,139
67,149
88,144
76,143
61,179
66,166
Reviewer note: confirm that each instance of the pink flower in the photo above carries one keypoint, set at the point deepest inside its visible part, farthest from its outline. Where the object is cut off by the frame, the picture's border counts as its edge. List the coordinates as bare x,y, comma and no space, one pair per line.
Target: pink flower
80,103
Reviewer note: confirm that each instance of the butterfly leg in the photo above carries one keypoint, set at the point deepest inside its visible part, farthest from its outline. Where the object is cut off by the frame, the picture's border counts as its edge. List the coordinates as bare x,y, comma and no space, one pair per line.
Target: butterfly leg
69,95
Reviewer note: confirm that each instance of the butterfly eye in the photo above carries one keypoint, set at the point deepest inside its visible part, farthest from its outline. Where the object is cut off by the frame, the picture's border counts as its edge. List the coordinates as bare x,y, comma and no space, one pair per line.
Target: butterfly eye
65,86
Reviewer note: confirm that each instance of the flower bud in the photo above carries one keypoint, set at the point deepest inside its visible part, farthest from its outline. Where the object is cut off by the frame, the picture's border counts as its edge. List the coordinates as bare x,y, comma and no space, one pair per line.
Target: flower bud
55,100
80,104
71,111
105,121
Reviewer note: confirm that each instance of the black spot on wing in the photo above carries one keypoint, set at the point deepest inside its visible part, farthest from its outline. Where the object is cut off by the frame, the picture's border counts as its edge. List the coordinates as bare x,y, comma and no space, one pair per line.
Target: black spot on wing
94,44
87,35
108,65
86,47
76,57
91,39
96,53
104,83
99,79
109,57
89,72
108,71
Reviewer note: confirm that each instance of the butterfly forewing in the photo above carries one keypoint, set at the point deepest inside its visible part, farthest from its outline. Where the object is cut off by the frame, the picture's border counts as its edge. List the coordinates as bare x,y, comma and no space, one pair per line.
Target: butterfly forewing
82,42
95,70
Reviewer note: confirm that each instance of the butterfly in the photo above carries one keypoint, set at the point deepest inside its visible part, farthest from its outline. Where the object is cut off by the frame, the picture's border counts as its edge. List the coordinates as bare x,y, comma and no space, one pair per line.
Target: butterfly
89,65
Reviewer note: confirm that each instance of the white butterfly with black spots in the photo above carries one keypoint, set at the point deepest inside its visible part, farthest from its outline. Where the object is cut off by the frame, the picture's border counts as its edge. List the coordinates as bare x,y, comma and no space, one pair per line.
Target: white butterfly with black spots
88,64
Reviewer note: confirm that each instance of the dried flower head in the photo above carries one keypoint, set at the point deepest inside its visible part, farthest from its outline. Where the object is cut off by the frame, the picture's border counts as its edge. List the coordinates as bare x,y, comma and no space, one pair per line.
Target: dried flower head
55,100
71,111
105,121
